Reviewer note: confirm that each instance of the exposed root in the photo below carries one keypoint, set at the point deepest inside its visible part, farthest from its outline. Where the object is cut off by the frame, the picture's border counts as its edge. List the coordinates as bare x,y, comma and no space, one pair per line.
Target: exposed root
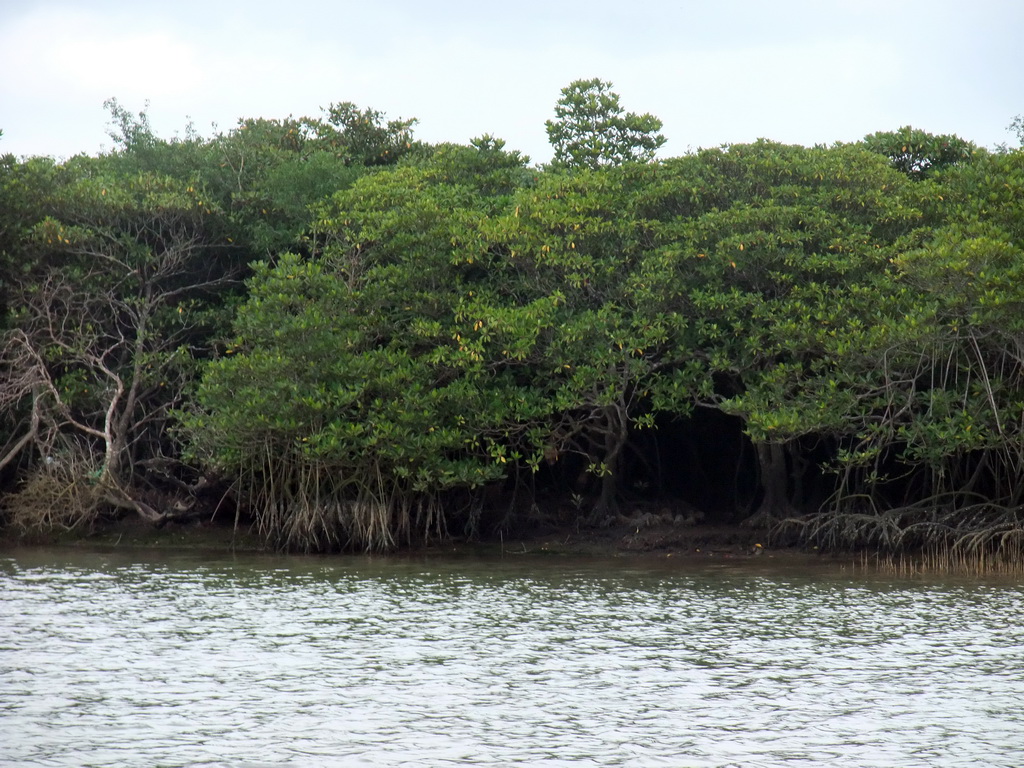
59,494
938,528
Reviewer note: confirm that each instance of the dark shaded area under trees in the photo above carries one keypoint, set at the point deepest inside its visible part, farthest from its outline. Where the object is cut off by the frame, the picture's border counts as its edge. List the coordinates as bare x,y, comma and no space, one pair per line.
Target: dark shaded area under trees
354,340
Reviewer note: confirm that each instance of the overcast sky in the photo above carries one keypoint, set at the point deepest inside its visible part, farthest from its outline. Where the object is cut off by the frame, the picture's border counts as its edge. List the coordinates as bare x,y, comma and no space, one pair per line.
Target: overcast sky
716,72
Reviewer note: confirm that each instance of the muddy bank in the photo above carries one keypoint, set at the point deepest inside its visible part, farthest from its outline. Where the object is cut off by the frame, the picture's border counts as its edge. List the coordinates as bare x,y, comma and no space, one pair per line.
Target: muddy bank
658,540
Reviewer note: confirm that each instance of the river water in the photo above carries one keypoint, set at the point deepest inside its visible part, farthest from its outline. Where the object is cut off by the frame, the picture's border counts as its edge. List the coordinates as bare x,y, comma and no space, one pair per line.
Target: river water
136,659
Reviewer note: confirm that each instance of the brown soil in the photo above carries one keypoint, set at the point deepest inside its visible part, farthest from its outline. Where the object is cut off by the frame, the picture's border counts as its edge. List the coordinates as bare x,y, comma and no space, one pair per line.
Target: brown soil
627,537
704,542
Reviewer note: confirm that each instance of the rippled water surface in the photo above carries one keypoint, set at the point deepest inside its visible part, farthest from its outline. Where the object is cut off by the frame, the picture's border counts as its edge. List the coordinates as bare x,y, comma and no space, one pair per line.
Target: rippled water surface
128,659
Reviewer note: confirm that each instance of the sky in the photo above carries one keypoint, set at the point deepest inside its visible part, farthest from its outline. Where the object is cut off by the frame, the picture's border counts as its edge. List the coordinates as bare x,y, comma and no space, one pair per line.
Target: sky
715,72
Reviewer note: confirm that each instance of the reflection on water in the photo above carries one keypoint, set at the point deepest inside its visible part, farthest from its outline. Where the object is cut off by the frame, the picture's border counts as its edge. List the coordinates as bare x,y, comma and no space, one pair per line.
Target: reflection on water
110,659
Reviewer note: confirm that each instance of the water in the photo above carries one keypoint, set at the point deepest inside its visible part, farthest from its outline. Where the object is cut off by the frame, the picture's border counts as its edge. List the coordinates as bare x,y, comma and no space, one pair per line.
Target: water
111,659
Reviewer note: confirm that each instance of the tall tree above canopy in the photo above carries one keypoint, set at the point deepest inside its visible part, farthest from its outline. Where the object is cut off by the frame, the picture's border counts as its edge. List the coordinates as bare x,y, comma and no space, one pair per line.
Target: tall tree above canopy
918,153
591,129
367,136
1016,127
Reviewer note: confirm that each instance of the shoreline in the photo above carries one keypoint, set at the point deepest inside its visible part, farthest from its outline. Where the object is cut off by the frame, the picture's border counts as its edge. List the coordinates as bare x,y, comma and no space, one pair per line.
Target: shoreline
698,543
715,547
697,546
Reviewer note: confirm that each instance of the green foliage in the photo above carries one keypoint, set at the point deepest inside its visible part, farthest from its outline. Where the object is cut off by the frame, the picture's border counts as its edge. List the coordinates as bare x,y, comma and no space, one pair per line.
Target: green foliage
795,288
365,137
388,406
918,153
264,173
1017,128
421,322
138,149
484,165
267,175
779,258
591,129
121,283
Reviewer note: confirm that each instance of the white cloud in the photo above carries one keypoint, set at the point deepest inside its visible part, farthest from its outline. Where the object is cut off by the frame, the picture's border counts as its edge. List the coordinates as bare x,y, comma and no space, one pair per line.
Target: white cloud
796,70
79,55
68,62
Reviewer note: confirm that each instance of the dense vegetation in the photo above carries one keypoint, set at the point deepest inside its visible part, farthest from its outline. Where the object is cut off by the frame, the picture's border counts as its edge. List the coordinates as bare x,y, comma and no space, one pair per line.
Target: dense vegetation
358,340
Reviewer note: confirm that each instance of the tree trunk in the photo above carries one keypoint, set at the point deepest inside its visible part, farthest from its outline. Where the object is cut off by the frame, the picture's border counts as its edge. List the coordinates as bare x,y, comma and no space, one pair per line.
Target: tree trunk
773,473
615,434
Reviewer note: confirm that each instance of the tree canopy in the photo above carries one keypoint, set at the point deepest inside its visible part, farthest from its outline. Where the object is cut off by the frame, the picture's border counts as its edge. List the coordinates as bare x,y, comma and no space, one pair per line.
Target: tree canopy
361,340
591,129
